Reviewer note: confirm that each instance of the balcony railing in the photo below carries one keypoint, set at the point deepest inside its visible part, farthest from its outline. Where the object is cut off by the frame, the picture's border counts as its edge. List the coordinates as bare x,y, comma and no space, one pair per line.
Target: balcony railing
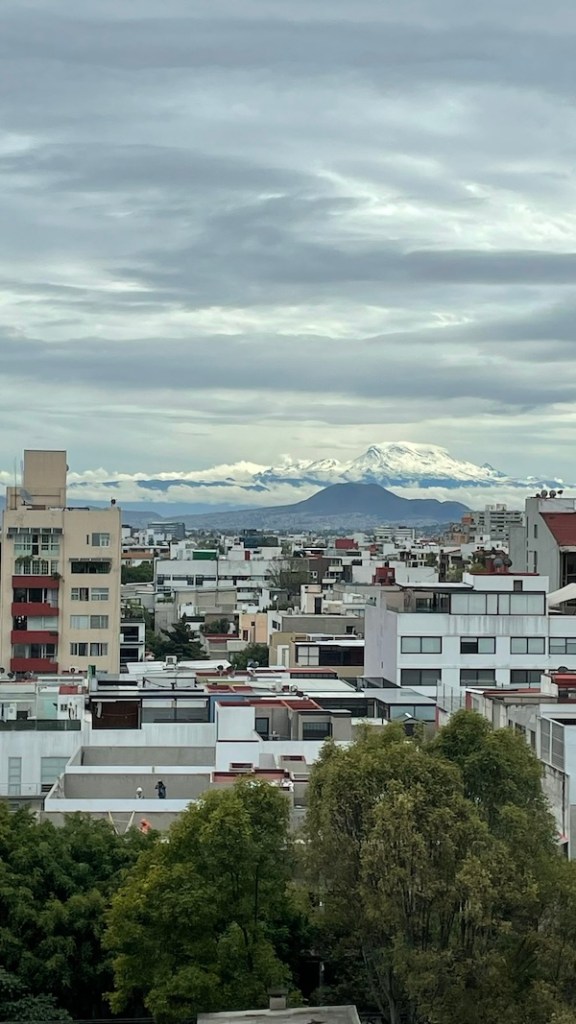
41,725
35,665
33,608
50,582
33,636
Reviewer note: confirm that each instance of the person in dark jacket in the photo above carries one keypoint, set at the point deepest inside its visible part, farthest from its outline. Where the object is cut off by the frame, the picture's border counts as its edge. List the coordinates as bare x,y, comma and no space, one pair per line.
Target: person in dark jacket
161,790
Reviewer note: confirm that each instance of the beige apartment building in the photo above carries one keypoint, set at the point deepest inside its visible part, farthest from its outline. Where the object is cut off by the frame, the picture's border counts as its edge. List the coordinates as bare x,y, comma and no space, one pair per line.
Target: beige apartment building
59,576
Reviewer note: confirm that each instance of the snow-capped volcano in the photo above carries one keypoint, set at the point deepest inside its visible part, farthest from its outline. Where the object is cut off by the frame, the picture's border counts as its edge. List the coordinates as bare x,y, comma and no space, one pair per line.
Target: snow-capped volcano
392,464
409,469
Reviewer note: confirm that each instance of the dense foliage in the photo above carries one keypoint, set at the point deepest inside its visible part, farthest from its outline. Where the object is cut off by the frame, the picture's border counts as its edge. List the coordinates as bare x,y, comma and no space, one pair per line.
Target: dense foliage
253,654
177,641
429,884
55,885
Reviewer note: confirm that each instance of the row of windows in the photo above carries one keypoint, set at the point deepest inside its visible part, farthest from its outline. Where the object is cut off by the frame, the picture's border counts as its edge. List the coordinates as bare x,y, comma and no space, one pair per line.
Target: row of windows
35,566
34,544
88,650
88,622
90,593
468,676
498,604
487,645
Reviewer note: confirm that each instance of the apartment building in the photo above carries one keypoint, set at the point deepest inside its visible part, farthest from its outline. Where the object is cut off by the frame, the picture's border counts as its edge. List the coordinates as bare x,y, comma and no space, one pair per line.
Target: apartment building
493,629
547,541
59,576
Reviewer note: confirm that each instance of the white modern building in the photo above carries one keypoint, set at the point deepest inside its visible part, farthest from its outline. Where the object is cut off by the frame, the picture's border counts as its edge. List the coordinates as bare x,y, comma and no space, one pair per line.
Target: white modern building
490,630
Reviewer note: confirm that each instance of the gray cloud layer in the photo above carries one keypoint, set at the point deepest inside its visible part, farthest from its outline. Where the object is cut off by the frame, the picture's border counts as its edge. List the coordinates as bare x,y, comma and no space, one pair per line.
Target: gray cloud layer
235,227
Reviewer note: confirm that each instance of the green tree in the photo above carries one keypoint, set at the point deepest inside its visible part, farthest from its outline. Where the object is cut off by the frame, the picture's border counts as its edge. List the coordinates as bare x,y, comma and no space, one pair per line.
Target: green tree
216,627
178,641
440,893
289,574
143,573
199,922
55,884
257,653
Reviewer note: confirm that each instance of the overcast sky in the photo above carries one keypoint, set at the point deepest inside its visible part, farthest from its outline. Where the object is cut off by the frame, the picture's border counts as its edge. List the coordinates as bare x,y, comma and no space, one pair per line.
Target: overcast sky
232,229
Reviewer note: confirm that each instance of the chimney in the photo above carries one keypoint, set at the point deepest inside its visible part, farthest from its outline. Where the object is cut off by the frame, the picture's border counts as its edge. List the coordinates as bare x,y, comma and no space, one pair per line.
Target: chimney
278,998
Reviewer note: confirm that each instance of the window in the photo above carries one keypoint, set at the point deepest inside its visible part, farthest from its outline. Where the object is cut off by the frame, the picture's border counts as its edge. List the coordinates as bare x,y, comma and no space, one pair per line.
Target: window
497,604
517,585
80,594
88,622
14,776
525,676
420,676
49,543
50,770
35,567
562,645
535,530
477,645
557,746
100,593
316,730
527,645
23,545
262,727
544,739
421,644
79,650
477,676
307,656
79,622
87,567
100,540
98,650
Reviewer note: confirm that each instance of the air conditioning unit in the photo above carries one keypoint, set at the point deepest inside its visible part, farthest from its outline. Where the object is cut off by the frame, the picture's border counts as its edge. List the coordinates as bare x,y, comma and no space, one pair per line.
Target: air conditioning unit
73,670
170,661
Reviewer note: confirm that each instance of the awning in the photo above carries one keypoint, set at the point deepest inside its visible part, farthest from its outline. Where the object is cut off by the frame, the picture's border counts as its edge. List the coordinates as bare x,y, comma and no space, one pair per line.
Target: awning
567,593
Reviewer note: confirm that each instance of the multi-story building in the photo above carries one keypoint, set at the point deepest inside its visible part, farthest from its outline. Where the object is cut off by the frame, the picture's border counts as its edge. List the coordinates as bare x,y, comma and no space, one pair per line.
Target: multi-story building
59,576
547,542
493,629
493,522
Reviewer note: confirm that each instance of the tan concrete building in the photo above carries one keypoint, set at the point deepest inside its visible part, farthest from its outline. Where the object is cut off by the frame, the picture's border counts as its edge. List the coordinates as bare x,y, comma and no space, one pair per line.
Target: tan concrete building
59,576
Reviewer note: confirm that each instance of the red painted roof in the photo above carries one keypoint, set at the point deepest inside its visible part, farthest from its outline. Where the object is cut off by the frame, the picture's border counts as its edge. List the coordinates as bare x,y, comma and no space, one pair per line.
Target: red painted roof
562,526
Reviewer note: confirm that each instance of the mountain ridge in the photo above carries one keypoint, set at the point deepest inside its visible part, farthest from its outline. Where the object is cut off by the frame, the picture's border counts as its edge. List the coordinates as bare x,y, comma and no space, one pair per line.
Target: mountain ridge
338,506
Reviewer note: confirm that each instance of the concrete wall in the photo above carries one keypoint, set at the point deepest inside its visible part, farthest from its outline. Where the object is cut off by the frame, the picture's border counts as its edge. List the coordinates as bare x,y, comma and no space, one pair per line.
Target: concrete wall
32,747
120,785
147,756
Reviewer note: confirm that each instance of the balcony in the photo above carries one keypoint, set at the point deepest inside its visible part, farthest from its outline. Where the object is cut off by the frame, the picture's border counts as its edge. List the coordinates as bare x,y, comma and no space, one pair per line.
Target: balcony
33,636
33,608
35,665
49,582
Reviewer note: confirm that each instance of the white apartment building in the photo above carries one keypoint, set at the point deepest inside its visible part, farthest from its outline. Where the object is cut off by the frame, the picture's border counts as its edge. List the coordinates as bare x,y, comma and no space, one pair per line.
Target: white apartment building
490,630
59,576
547,541
494,522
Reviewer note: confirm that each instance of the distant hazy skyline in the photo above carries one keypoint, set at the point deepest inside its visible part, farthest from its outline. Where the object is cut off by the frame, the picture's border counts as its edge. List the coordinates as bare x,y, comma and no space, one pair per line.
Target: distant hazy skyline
233,229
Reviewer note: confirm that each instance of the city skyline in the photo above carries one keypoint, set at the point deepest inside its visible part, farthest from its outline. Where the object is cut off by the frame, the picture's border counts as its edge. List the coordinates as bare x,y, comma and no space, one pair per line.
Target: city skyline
245,229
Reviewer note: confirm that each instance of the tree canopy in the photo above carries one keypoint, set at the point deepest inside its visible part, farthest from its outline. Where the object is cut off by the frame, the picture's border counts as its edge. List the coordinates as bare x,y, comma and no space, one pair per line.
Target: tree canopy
177,641
439,878
143,573
255,653
201,922
55,884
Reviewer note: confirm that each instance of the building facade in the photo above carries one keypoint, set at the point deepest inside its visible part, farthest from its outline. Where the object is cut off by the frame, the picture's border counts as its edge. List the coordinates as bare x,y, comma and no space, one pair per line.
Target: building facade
59,576
490,630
